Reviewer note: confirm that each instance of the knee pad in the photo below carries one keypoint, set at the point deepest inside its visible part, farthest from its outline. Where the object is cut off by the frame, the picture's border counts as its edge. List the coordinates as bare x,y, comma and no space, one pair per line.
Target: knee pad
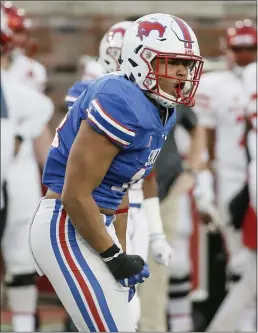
21,280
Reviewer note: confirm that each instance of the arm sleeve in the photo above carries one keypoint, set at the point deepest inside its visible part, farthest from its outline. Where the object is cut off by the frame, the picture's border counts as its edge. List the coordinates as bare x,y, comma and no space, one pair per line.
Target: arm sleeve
110,116
35,111
204,103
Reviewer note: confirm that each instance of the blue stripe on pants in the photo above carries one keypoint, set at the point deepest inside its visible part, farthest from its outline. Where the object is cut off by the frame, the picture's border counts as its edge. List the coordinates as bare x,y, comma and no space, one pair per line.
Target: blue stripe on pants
69,279
92,279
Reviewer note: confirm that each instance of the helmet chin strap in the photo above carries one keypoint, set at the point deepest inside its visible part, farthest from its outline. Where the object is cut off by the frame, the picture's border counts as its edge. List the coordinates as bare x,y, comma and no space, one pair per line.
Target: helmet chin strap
161,101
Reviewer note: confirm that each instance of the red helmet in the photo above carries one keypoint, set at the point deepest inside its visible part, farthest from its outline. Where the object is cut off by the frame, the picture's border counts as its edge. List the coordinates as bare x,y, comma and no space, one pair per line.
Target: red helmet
243,34
18,23
240,44
6,32
16,19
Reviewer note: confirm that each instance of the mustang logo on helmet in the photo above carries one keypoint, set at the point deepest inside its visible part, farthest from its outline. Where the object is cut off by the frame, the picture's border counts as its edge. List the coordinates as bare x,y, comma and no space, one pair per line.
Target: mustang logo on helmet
112,33
145,27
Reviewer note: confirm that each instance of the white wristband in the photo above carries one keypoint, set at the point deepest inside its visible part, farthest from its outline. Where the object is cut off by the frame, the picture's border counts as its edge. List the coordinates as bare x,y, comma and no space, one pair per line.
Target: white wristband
151,207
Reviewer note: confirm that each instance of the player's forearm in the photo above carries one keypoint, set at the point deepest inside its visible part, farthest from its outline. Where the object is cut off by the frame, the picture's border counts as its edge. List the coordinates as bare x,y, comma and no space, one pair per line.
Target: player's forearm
86,218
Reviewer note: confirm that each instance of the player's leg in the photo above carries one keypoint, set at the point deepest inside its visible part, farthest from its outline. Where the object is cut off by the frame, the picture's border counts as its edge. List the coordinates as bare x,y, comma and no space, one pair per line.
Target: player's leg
247,320
236,301
24,194
137,243
20,276
229,188
85,286
179,301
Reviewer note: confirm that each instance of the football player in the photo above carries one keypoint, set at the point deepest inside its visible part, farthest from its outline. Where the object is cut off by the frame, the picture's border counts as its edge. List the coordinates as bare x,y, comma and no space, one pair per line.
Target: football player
221,110
140,229
29,111
121,121
244,293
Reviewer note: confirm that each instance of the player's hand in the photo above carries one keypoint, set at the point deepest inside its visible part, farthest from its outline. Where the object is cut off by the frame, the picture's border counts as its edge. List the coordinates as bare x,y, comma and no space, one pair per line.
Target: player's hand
161,251
127,269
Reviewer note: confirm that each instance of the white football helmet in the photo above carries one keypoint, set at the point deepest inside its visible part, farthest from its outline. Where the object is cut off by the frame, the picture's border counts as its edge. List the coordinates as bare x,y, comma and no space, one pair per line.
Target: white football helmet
161,36
92,68
111,44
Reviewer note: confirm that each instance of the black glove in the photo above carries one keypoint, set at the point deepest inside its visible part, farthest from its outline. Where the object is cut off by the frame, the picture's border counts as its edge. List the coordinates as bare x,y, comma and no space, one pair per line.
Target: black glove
127,269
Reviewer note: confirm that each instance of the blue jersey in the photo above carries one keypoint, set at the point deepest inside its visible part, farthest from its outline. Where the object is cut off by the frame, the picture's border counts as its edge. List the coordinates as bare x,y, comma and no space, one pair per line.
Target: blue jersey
75,91
118,109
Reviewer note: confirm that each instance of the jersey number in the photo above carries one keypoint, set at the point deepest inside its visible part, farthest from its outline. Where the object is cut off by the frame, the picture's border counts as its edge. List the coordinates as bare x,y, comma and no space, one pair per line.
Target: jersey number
136,177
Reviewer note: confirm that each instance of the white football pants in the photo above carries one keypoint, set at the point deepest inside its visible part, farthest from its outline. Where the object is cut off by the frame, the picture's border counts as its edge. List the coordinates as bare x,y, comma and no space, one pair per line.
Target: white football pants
95,301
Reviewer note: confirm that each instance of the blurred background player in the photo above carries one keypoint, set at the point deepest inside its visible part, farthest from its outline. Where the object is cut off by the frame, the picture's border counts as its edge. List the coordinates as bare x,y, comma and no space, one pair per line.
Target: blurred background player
32,110
24,68
249,80
229,312
173,286
179,170
224,120
138,229
23,65
7,130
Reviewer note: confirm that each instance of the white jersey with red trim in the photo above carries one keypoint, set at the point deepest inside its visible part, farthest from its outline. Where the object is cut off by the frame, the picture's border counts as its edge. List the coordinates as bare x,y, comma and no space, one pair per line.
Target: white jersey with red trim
220,104
249,80
29,112
29,72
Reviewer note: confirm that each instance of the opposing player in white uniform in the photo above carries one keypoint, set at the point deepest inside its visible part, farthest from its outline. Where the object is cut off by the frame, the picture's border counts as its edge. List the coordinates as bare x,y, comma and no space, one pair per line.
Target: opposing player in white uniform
245,291
143,198
7,131
220,105
22,67
33,110
27,70
249,80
